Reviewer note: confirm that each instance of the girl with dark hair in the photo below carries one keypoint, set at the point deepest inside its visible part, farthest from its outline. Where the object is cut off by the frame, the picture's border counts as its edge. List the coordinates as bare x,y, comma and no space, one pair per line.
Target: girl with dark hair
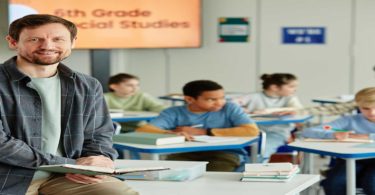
277,96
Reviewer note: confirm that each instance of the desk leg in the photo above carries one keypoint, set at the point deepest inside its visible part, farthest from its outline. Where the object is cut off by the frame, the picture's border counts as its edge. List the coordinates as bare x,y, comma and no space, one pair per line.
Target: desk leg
155,157
350,176
254,153
308,163
134,155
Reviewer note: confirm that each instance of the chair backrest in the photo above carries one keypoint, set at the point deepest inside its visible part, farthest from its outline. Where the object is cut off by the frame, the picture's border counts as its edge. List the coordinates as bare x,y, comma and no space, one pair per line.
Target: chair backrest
261,150
117,127
262,146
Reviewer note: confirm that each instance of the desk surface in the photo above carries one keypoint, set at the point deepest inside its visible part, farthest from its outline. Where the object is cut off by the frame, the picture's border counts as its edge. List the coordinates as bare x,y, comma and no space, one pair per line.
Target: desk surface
336,149
146,116
135,116
282,120
174,97
188,146
180,97
333,100
223,183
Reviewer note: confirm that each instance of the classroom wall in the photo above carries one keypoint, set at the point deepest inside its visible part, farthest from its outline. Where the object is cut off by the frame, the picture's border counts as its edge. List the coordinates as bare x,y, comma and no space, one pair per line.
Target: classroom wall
364,45
232,64
4,52
343,65
322,69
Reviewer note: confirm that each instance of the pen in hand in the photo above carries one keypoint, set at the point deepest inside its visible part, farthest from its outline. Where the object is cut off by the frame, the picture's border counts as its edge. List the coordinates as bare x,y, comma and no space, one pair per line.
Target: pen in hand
329,127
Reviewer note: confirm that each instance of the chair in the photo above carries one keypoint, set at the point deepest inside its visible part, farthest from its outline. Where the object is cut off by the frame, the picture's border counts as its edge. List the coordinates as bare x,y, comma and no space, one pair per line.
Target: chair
261,150
285,154
117,127
262,146
133,155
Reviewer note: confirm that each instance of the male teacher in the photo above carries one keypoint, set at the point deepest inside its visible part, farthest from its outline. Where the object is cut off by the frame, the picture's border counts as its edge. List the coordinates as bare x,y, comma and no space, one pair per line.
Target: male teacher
50,114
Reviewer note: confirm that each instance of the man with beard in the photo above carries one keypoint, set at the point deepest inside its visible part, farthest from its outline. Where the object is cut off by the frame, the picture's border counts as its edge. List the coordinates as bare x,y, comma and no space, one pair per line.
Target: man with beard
50,114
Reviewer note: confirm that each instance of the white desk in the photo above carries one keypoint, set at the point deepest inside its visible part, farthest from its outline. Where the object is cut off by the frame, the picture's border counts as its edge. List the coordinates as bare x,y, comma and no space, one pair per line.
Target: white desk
282,120
350,152
332,100
223,183
155,151
174,98
130,116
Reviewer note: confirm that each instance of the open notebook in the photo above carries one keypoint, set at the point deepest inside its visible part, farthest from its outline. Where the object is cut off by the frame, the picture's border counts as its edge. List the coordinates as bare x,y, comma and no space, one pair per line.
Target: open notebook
213,139
335,140
93,170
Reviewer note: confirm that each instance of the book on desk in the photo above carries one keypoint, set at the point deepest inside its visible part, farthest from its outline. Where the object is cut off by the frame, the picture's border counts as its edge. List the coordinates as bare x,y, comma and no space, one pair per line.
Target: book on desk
94,170
347,140
178,170
269,172
278,110
213,139
148,138
269,116
274,113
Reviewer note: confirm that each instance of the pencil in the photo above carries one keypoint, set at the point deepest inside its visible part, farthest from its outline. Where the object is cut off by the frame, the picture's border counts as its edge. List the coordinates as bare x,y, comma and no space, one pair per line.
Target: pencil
328,127
340,130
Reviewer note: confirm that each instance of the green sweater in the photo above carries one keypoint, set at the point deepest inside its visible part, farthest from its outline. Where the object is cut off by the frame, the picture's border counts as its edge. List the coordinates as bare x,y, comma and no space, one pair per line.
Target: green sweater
137,102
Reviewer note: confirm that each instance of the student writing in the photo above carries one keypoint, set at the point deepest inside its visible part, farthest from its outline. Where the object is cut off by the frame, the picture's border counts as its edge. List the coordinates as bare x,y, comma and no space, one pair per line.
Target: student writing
125,95
361,126
207,107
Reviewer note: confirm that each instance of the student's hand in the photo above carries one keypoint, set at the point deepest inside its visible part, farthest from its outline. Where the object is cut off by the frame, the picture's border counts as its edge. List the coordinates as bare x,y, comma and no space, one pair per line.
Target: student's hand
99,161
85,179
341,135
358,136
191,130
187,136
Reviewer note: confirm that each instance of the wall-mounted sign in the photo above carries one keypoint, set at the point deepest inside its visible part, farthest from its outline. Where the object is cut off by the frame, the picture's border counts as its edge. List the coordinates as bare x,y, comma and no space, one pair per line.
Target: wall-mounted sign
233,29
304,35
111,24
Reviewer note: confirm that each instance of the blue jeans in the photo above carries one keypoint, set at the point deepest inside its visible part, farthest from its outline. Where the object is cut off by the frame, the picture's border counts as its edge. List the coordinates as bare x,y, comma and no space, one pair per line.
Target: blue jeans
335,183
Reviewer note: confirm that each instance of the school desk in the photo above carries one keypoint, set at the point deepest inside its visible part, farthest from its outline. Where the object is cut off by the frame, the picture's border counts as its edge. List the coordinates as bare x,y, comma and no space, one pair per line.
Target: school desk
282,120
173,98
332,100
176,98
350,152
155,151
135,116
224,183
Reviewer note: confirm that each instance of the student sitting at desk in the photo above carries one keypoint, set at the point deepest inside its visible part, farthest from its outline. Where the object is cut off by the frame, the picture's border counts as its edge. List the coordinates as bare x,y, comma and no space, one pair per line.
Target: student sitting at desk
125,95
359,126
277,95
206,113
